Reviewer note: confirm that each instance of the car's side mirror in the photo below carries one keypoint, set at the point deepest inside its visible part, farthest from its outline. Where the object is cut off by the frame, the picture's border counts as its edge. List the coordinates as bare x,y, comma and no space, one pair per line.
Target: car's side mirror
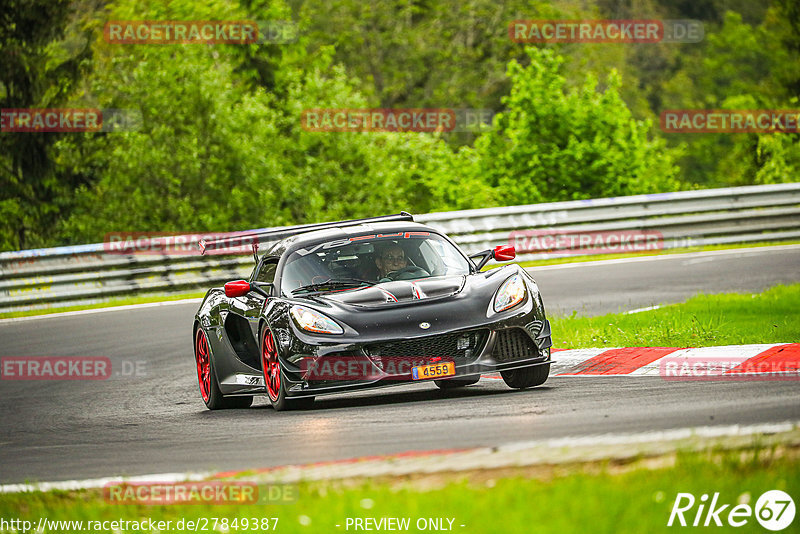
504,253
240,288
499,253
237,288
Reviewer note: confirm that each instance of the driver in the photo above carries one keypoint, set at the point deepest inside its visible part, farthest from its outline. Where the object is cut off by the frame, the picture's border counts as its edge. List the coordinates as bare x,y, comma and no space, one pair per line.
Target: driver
392,258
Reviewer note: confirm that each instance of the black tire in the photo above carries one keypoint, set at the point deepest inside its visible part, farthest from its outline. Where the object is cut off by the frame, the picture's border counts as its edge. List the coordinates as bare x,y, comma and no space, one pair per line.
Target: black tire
457,382
526,377
274,380
288,403
207,378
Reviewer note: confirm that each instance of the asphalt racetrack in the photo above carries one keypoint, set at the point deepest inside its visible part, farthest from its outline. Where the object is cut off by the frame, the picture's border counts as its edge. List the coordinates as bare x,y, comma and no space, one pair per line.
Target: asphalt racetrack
157,423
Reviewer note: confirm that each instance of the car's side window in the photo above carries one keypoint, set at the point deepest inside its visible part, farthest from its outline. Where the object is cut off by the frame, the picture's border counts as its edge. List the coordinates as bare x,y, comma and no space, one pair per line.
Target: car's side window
266,273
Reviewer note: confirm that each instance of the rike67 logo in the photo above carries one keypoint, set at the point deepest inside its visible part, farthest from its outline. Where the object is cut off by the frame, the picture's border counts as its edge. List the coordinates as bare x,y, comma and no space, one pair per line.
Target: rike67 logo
774,510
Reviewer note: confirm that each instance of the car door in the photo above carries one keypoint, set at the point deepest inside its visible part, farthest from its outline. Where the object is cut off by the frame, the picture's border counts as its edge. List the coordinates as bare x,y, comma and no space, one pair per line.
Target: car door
254,302
241,322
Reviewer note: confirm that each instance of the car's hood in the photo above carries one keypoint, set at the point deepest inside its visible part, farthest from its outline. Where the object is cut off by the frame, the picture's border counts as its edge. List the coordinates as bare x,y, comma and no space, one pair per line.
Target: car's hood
399,291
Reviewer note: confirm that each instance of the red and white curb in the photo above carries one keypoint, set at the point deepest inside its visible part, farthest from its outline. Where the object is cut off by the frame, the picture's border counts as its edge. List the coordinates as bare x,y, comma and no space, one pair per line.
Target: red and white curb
778,360
521,454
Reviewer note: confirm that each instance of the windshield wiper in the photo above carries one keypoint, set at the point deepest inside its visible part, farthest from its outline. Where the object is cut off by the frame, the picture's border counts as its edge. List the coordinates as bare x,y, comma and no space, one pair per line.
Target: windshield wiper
333,283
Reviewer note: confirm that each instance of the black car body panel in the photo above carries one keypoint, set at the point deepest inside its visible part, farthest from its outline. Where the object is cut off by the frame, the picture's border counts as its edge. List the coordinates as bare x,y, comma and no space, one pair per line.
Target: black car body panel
432,318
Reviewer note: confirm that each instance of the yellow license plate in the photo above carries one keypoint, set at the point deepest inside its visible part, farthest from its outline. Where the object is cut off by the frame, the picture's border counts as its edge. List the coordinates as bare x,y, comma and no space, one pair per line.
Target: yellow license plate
436,370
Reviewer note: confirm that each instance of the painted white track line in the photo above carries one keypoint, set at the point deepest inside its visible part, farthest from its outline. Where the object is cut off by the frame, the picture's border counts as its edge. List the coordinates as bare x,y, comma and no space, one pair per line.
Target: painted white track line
102,310
640,310
72,485
661,257
520,454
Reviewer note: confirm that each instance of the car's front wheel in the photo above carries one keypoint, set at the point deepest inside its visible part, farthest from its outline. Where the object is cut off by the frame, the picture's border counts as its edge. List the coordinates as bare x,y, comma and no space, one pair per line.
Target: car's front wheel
274,377
526,377
207,378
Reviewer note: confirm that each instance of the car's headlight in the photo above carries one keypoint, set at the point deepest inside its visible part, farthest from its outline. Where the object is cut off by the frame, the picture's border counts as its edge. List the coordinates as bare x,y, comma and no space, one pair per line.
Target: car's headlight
511,293
313,321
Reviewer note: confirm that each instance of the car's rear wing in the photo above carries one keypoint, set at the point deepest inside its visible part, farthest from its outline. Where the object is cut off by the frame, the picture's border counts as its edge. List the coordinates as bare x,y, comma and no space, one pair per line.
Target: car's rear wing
239,239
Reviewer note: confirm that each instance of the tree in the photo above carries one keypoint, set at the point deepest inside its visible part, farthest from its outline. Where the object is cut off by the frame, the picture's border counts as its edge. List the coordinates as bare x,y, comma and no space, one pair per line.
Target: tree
740,66
554,143
222,145
38,69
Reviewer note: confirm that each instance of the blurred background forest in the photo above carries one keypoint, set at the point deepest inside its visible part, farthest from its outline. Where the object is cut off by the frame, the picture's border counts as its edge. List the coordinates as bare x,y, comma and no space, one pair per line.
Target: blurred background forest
221,146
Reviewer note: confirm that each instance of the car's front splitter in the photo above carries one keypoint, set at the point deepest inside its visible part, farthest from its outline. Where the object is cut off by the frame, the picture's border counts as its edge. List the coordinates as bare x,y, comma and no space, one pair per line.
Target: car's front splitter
366,376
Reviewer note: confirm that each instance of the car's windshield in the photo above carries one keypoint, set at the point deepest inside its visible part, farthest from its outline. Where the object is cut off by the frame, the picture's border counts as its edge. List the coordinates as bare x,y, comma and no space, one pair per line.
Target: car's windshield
362,260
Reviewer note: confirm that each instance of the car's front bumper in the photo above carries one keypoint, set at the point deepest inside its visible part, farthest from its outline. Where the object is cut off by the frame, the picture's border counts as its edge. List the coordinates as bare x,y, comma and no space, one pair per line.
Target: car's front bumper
509,345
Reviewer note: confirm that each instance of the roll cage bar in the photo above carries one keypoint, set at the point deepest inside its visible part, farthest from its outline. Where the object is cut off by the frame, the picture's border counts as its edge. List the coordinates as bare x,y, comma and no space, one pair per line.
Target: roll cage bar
253,238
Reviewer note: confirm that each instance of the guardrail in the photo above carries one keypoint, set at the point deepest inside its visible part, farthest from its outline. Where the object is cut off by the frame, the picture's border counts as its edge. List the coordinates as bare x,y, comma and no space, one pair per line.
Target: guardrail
88,273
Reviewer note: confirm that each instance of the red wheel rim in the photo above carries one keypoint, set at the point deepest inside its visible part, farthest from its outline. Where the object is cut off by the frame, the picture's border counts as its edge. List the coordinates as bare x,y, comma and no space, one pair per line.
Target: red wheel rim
272,369
201,354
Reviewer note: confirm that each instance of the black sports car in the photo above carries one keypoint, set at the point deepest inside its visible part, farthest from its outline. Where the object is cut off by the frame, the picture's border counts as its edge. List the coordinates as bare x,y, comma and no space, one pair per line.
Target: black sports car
367,303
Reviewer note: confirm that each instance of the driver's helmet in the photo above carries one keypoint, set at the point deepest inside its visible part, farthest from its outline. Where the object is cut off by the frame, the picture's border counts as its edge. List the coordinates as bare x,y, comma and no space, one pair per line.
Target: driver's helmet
391,255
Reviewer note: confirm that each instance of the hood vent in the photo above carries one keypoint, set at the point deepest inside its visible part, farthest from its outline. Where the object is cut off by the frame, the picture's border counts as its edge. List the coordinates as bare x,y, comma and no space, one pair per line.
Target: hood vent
399,291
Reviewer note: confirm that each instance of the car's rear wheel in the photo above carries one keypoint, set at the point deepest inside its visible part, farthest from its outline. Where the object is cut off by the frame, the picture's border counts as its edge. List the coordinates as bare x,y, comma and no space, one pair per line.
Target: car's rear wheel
274,377
526,377
457,382
207,378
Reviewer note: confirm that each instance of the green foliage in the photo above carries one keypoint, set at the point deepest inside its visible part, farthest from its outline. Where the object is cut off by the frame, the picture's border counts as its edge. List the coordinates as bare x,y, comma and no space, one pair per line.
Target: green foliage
218,152
778,157
221,145
39,68
740,66
424,54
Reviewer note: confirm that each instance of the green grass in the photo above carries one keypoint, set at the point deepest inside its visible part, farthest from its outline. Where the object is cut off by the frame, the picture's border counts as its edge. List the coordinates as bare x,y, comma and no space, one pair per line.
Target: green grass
599,498
705,320
109,304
